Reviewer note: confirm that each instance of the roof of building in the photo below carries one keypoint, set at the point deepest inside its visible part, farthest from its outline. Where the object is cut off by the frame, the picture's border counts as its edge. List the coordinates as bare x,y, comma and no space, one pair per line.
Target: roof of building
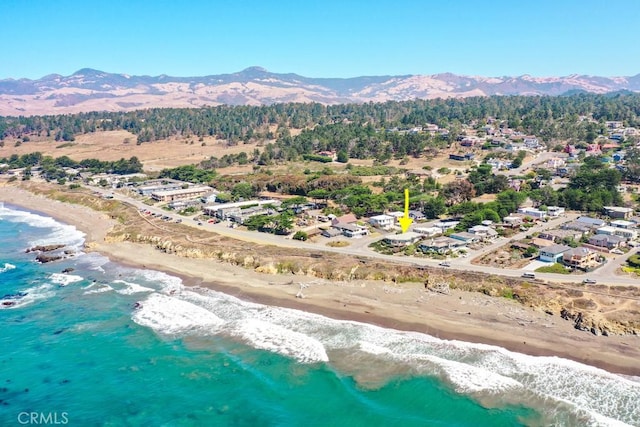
403,237
555,249
591,221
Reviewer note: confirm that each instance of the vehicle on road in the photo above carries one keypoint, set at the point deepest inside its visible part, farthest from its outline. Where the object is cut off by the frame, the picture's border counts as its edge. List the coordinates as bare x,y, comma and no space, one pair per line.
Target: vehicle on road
529,275
589,281
445,264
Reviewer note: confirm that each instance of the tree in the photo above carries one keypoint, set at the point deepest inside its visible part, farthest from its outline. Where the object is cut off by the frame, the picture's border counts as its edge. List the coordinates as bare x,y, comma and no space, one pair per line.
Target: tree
342,156
457,191
242,190
301,235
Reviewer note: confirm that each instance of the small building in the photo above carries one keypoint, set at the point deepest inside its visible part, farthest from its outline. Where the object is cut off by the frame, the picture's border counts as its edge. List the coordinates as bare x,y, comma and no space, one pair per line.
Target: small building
344,219
618,212
591,222
441,245
331,232
555,211
417,215
446,225
622,223
606,241
461,157
403,239
512,220
428,231
224,210
577,226
626,233
384,222
483,232
532,212
465,237
552,253
352,230
582,258
607,230
181,194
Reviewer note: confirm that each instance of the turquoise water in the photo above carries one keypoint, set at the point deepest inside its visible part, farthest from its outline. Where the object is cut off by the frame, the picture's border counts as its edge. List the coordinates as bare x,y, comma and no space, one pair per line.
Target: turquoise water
112,345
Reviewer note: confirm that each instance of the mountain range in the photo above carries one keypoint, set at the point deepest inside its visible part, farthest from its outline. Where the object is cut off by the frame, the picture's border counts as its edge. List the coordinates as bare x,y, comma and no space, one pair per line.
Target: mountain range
93,90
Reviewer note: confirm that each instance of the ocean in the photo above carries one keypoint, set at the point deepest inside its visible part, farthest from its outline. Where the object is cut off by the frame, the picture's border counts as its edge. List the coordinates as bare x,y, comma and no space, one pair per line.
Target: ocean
110,345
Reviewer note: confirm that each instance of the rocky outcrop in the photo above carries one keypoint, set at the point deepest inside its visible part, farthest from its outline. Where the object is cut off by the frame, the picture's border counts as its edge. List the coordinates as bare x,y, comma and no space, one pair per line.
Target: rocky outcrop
44,258
45,248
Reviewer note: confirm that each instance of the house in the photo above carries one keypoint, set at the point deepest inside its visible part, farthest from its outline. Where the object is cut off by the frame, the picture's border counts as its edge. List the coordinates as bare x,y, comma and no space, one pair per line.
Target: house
416,215
223,210
241,215
578,226
344,219
512,221
552,253
606,241
331,232
618,212
441,245
384,222
404,239
591,222
613,124
626,234
555,162
621,223
465,237
606,230
555,211
181,194
428,231
532,212
582,258
461,157
352,230
531,142
446,225
483,232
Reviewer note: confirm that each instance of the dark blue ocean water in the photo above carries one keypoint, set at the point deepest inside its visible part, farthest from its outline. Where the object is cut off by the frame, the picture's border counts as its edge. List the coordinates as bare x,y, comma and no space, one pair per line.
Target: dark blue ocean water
112,345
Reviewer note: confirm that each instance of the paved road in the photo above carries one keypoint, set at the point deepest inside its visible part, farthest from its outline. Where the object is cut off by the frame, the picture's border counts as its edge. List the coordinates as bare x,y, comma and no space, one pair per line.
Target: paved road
359,247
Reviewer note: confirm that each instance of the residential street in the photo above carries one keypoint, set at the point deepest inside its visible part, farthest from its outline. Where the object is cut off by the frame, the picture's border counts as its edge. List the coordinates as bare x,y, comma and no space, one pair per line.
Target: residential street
359,247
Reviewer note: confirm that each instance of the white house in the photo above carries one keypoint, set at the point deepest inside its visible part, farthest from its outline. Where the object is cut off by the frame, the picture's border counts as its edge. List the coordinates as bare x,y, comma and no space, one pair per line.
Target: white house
555,211
532,212
384,222
404,239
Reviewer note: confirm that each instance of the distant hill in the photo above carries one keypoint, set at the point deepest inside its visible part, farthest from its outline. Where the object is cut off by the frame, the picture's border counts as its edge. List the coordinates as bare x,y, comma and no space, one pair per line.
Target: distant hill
93,90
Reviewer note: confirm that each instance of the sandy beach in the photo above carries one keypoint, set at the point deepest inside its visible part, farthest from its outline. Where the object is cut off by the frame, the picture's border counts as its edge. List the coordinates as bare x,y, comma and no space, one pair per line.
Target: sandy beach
464,316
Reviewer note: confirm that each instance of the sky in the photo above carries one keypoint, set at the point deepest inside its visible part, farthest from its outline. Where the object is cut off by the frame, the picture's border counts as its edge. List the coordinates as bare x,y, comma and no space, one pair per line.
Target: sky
329,38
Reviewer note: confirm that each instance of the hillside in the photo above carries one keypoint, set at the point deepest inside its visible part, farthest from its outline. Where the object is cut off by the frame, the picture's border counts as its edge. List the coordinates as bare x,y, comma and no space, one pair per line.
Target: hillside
93,90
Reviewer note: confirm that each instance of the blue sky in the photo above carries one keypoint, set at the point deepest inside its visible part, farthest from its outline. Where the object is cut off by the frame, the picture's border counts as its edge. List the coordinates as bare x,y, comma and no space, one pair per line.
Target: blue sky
331,38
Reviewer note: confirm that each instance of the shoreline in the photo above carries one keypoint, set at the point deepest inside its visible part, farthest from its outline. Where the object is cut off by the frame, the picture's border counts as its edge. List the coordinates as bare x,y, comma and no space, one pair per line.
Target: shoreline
460,316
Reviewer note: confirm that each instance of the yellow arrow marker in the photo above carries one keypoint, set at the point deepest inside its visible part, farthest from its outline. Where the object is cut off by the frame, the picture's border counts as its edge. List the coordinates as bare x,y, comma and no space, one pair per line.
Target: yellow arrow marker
405,221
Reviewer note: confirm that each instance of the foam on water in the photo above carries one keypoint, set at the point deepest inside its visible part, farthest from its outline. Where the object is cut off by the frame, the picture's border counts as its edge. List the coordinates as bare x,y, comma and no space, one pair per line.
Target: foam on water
171,316
63,279
97,288
476,369
131,288
59,234
270,337
31,295
167,284
7,267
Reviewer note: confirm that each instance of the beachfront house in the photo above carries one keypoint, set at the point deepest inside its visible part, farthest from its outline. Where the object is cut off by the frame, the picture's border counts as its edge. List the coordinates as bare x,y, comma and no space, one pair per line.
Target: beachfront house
403,239
441,245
